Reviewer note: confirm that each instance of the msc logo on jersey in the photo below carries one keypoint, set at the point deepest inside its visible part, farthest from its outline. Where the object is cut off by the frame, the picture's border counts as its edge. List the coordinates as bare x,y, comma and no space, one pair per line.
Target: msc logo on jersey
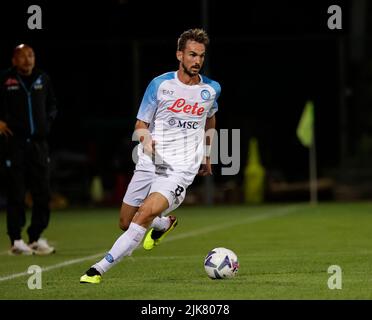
205,94
173,122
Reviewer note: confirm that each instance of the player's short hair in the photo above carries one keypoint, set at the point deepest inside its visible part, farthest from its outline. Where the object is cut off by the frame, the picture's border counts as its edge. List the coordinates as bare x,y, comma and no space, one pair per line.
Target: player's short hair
198,35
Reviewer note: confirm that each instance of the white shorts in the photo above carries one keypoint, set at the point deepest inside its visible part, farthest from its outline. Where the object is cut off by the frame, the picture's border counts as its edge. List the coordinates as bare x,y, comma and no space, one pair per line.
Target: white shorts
144,183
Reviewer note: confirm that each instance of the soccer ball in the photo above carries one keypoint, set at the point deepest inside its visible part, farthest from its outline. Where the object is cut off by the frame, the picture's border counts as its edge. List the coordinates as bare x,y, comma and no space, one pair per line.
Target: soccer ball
221,263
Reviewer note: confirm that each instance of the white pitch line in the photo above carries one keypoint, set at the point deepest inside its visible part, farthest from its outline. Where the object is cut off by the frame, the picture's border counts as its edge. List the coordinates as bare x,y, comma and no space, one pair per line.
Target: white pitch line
258,217
56,266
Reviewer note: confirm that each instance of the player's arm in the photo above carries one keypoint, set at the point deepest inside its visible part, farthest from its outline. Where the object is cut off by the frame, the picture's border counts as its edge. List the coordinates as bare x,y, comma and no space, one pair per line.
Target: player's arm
210,126
206,167
145,115
144,137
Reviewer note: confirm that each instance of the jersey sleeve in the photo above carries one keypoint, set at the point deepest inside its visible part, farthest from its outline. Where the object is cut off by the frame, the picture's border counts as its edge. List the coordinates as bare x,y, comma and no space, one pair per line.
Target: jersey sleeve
216,86
213,110
148,105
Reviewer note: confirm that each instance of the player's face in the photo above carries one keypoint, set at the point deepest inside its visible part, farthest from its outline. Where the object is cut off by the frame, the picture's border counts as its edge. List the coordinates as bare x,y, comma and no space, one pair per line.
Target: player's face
24,60
192,58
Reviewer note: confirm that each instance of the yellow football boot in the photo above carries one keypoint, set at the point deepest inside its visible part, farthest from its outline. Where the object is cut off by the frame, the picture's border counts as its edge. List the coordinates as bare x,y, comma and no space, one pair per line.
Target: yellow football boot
91,276
153,237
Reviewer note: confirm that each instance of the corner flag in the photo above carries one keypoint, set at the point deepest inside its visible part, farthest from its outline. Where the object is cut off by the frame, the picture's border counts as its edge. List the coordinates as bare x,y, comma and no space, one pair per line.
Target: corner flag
305,133
305,127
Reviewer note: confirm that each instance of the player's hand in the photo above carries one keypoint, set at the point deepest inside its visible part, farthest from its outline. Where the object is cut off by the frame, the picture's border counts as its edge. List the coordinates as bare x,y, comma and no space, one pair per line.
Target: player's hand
149,148
4,129
205,168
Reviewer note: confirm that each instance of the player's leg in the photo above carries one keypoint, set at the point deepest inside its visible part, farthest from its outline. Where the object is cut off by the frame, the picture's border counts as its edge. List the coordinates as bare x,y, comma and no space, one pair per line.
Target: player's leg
135,195
16,214
16,190
153,205
174,190
38,174
127,213
137,191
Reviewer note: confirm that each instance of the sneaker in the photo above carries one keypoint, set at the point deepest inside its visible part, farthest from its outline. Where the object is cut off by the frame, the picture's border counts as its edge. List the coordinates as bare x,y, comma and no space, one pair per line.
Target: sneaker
91,276
41,247
154,237
20,247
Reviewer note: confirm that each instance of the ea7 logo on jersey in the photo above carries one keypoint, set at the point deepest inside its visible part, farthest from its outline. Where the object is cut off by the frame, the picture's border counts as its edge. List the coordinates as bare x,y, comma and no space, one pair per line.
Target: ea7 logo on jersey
177,123
168,92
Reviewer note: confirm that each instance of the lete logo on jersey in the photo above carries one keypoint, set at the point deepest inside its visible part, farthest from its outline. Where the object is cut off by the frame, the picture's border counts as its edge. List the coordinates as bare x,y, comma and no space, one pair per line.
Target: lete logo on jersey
180,106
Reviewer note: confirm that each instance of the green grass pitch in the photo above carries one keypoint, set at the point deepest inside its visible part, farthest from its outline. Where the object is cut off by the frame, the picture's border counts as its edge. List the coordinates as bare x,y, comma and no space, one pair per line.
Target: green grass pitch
284,253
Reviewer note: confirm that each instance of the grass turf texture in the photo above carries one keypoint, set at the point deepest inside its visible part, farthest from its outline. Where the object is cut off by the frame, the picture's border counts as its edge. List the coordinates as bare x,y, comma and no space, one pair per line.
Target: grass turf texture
284,253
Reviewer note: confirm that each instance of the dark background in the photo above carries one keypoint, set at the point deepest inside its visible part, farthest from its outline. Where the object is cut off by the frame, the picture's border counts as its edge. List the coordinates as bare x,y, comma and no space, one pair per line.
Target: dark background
270,57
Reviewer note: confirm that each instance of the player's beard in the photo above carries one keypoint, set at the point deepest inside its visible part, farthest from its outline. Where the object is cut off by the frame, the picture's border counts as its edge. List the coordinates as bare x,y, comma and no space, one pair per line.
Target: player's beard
189,72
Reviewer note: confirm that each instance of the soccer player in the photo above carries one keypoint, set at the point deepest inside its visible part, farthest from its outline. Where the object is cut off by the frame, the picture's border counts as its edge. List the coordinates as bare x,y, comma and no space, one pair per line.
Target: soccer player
176,110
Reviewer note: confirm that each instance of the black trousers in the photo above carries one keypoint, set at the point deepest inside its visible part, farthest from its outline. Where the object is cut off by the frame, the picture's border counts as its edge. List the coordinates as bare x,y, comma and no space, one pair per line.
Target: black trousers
27,168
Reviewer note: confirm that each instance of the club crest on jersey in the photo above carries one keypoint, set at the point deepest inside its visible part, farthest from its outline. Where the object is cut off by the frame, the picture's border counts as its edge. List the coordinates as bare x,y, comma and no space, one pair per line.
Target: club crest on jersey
205,94
180,106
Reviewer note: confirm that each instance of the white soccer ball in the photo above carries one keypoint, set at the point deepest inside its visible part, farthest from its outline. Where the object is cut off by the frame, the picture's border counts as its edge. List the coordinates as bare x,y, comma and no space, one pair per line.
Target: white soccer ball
221,263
